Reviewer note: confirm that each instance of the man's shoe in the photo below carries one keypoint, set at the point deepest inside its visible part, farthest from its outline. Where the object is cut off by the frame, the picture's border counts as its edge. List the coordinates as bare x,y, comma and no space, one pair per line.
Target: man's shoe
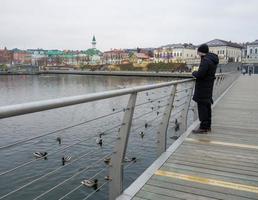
201,131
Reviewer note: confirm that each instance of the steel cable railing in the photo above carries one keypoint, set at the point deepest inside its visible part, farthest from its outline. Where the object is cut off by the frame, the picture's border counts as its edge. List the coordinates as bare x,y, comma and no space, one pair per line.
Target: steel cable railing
76,174
58,150
59,130
69,146
92,193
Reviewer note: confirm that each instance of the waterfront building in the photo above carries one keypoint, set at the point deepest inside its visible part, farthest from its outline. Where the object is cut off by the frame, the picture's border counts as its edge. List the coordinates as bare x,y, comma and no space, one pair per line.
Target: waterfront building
54,57
252,50
6,56
140,58
38,56
226,50
176,53
115,56
164,55
21,57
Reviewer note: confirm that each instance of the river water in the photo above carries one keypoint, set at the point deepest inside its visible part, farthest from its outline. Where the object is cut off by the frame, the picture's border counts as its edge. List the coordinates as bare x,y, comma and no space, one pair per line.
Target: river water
78,141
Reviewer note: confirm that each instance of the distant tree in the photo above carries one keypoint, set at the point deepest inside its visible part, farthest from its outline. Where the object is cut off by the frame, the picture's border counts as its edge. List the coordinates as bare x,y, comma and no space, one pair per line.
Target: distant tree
3,67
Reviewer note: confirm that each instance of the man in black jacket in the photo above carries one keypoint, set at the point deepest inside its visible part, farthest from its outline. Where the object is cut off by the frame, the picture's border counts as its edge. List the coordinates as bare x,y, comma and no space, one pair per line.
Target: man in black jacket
205,77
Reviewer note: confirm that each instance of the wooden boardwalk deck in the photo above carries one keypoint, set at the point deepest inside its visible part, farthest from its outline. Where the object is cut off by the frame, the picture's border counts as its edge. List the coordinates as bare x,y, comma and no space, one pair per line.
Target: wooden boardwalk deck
220,165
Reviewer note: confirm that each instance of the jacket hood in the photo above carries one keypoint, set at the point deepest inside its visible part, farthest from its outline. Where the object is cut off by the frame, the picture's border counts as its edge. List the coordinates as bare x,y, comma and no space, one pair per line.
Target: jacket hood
213,58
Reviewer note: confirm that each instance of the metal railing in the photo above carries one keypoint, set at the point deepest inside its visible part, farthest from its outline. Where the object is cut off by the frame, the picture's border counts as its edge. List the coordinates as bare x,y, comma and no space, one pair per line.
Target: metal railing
178,112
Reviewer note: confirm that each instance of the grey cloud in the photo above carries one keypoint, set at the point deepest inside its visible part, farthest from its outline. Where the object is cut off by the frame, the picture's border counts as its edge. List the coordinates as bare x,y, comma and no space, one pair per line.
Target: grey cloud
70,24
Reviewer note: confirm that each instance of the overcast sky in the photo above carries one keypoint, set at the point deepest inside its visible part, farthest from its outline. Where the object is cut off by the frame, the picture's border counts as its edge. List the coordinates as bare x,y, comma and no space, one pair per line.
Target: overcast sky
70,24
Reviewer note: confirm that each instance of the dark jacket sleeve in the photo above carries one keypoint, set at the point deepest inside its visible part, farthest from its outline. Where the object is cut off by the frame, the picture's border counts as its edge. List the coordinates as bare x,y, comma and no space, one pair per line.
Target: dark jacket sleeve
202,71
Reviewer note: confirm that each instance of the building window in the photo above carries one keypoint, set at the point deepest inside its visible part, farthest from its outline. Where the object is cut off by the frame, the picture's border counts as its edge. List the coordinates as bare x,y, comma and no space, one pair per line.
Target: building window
181,54
255,51
251,51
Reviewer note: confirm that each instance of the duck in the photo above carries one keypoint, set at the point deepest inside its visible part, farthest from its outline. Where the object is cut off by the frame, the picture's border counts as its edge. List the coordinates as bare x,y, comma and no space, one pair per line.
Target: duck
107,160
66,159
146,125
141,134
91,183
108,178
126,159
99,140
59,140
40,155
177,127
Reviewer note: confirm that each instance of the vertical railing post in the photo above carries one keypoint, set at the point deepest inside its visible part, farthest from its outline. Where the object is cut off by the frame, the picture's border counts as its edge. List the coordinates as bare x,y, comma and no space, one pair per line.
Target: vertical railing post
186,109
116,168
162,131
215,87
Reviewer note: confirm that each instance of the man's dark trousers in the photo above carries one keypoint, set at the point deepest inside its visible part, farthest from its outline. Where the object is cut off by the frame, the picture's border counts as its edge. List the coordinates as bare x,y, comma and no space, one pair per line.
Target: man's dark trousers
204,111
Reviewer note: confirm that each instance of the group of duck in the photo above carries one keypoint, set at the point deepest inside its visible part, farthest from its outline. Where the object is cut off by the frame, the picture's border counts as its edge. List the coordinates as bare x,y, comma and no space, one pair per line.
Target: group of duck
41,155
88,183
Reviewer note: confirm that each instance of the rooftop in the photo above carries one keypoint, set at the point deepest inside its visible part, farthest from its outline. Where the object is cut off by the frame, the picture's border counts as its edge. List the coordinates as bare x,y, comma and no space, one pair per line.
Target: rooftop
218,42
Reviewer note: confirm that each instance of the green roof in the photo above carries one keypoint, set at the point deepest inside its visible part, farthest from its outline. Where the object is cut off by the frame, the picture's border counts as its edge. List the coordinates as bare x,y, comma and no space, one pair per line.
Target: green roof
54,53
92,52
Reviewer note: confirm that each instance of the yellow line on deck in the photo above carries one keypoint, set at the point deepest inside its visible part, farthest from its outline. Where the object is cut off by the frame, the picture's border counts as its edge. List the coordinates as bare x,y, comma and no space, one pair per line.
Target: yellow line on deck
208,181
206,141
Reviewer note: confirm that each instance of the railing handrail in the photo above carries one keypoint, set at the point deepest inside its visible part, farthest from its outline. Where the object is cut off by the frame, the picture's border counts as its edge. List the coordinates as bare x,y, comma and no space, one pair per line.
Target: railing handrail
37,106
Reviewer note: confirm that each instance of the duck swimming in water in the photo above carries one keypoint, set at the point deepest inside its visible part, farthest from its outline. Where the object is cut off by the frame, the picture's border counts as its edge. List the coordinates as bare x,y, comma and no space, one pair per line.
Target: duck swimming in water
130,159
99,140
91,183
108,178
59,140
107,160
40,155
141,134
66,159
146,125
177,127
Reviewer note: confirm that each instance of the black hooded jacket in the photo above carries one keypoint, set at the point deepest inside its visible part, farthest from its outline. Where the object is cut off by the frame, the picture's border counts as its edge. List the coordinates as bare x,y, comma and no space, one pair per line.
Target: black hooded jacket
205,77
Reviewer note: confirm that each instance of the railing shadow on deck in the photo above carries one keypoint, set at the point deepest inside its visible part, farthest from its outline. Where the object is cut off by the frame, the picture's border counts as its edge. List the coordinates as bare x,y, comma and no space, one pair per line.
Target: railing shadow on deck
168,112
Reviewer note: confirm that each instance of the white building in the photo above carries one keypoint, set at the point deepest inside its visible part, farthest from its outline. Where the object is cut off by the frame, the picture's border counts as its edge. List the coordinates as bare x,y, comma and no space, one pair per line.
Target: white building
227,51
252,50
38,56
175,53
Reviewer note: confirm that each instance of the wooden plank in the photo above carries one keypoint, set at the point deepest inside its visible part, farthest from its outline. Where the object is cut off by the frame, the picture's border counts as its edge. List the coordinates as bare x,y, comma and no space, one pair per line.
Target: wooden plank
152,196
212,188
174,193
219,154
214,172
243,150
216,158
192,190
237,138
209,174
138,198
211,162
